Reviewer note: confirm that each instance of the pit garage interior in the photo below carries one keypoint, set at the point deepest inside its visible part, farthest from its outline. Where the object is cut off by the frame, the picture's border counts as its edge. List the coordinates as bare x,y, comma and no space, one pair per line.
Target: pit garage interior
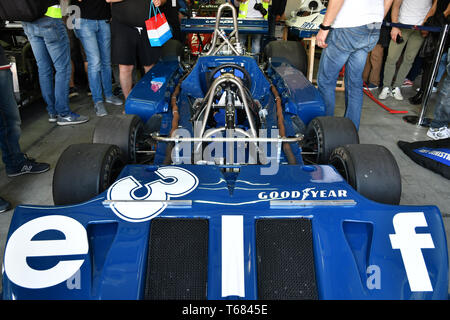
45,142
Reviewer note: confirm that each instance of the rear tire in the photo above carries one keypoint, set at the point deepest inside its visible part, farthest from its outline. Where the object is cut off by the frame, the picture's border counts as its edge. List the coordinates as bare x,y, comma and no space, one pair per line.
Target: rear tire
324,134
123,131
172,50
84,171
292,51
371,170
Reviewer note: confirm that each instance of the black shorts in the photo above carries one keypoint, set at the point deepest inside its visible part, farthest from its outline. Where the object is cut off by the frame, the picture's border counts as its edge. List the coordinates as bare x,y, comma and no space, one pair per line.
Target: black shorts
131,46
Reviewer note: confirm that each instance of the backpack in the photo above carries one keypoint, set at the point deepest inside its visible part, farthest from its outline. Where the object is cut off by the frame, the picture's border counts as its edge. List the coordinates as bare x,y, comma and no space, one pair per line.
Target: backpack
23,10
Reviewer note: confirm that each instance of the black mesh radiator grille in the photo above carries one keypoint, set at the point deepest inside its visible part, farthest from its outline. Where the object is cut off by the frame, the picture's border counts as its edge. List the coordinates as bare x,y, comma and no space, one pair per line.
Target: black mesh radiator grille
285,259
178,260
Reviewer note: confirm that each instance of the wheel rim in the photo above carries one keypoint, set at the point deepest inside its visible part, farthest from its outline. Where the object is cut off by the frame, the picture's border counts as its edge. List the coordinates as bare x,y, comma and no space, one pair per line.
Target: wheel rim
135,134
311,147
341,167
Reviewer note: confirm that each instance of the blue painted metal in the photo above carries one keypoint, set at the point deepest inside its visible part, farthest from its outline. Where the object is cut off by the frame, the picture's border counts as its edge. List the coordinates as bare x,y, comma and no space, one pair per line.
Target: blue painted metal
206,25
151,95
347,239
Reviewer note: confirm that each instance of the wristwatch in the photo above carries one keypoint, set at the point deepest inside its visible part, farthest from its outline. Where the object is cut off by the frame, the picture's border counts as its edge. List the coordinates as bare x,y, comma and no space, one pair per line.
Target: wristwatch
321,26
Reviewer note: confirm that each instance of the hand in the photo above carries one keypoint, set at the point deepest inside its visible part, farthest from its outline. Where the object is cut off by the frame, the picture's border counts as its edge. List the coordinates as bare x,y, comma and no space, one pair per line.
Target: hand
321,37
394,32
157,3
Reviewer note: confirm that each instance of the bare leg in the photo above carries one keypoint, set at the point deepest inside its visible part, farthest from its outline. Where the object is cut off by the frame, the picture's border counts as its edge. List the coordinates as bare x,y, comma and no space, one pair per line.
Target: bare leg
148,68
126,78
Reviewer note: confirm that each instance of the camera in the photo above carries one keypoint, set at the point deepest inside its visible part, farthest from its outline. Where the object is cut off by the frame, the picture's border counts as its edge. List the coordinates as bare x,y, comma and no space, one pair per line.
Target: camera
259,7
399,39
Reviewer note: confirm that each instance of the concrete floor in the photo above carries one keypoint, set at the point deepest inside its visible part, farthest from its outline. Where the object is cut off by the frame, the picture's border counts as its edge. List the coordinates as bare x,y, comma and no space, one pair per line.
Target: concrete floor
45,142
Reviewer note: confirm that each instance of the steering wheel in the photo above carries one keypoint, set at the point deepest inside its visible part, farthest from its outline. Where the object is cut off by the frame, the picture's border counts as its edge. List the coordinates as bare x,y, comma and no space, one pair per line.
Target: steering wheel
235,69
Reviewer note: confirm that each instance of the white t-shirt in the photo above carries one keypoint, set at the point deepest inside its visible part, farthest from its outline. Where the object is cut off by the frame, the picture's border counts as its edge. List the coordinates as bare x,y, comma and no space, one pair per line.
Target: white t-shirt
414,11
355,13
251,13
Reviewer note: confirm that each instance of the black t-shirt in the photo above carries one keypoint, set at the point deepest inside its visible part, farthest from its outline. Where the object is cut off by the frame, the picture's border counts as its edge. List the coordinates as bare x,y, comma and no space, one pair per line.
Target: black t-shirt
171,13
94,9
133,13
278,7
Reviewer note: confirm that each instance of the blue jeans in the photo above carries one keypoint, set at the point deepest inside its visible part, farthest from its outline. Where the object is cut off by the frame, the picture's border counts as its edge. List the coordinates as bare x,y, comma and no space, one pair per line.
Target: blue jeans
349,47
9,123
441,69
50,43
95,35
442,108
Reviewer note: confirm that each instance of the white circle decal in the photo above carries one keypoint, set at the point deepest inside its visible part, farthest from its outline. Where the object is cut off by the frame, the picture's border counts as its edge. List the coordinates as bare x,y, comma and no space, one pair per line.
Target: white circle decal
130,207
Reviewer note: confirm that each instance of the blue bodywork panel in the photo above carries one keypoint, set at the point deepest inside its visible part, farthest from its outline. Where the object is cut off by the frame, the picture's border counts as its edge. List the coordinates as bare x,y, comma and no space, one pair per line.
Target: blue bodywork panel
349,240
99,249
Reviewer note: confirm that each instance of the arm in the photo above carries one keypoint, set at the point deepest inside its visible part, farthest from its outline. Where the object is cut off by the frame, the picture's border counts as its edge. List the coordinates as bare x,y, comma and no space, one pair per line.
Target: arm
334,6
387,6
279,13
394,15
431,12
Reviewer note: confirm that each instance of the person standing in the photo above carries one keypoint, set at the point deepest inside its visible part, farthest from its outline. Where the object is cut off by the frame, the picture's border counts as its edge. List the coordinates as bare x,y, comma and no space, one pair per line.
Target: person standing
276,14
374,65
438,126
410,12
247,11
439,19
93,30
350,30
16,162
130,43
51,48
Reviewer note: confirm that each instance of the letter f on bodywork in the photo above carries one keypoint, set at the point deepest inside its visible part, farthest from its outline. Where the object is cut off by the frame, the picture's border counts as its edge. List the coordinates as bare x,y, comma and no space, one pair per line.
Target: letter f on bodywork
410,245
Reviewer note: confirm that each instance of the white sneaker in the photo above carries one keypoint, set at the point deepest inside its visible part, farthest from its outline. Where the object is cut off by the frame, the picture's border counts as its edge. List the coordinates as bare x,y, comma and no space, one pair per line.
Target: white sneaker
386,92
397,94
438,133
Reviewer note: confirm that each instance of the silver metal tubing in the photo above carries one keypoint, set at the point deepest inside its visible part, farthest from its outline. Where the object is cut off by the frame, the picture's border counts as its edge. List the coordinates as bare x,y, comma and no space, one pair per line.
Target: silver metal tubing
437,59
238,83
156,137
218,32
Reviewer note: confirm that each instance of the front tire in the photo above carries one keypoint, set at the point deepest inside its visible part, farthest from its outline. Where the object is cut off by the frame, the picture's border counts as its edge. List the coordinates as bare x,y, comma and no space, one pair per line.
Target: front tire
371,170
84,171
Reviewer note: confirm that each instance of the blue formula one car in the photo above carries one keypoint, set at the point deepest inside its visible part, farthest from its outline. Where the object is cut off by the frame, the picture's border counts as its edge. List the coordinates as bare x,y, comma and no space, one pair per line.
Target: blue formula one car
226,181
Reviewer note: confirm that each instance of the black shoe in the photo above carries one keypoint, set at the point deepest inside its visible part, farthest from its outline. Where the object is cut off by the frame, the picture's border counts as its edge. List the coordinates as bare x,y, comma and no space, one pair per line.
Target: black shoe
28,166
417,99
4,205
